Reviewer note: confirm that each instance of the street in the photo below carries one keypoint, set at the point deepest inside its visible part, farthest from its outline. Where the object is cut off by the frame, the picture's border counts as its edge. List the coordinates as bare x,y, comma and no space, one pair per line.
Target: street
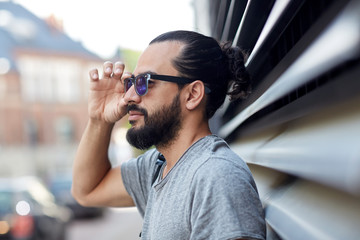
116,224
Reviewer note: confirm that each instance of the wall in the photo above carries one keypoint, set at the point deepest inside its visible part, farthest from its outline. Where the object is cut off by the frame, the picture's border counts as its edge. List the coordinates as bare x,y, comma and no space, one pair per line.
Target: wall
299,131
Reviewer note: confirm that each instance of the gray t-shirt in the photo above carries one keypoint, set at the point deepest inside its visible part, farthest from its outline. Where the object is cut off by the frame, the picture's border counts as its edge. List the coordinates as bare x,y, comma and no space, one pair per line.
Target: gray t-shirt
208,194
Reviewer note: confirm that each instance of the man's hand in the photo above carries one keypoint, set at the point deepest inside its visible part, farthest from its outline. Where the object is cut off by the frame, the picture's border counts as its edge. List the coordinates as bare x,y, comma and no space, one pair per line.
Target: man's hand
95,182
106,96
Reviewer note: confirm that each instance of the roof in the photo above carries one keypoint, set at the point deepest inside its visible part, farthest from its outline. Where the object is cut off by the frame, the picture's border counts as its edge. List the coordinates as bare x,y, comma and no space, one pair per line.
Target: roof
21,29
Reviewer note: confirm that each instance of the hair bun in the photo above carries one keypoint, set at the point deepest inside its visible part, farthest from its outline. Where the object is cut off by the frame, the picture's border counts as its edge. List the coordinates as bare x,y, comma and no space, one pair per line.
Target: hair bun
239,78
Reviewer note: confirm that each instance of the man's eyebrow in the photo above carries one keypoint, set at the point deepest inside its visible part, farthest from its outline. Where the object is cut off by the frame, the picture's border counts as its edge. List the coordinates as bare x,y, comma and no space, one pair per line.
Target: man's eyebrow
148,72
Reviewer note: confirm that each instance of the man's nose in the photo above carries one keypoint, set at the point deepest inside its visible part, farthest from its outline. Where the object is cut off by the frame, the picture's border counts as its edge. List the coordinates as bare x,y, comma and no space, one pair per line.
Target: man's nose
131,95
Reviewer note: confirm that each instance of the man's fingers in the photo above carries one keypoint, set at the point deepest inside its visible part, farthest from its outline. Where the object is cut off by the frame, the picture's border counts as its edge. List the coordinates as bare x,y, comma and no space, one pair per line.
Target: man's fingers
126,75
108,69
118,70
120,87
94,75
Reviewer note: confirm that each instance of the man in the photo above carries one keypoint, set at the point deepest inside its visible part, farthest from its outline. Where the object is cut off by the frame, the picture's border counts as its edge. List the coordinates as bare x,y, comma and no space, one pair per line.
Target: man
203,190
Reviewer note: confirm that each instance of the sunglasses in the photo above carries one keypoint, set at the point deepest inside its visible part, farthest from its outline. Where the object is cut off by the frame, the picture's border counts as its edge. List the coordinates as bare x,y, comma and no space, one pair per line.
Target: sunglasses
141,82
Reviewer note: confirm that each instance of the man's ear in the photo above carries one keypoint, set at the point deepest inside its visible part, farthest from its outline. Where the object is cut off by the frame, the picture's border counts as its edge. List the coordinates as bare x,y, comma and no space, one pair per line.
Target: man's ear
195,93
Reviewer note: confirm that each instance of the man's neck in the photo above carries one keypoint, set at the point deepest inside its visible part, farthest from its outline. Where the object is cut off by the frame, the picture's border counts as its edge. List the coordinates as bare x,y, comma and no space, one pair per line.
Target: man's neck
186,138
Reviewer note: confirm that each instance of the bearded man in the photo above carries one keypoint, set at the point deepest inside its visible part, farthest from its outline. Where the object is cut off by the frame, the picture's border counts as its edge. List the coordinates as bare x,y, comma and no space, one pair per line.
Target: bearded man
191,185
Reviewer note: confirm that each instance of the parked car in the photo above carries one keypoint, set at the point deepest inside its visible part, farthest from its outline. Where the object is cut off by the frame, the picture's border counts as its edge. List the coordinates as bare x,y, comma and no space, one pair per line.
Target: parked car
61,189
28,211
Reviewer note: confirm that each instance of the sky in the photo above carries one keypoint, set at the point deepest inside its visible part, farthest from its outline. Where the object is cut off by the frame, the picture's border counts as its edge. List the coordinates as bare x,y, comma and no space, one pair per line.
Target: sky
104,25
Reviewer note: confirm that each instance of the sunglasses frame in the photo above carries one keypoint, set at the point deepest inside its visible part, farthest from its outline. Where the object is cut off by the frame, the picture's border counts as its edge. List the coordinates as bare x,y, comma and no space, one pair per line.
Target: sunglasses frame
167,78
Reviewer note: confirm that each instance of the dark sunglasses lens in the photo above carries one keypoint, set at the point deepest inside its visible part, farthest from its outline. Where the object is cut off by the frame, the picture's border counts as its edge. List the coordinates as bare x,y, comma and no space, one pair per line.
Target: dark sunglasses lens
141,85
127,84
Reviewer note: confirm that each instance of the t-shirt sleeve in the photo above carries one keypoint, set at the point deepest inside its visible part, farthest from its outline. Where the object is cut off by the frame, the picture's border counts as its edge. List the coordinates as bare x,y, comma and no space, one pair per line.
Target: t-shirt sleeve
225,203
137,175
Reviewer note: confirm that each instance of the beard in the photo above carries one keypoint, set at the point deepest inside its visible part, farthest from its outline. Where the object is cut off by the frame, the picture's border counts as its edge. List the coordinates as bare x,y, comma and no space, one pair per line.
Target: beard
160,128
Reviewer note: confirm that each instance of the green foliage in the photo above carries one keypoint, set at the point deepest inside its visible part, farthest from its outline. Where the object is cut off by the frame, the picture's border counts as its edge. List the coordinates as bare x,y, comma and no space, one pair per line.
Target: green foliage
130,58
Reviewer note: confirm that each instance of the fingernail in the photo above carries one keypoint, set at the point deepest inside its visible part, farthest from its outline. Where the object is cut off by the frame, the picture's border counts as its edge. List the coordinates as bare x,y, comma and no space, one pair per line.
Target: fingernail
117,70
108,69
95,76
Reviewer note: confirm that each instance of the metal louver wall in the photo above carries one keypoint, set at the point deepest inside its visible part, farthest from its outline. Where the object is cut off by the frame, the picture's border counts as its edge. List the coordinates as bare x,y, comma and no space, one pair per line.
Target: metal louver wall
300,130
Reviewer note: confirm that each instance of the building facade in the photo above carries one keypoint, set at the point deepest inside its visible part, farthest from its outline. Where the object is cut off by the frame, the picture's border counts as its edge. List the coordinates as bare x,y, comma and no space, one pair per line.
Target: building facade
43,79
43,92
299,131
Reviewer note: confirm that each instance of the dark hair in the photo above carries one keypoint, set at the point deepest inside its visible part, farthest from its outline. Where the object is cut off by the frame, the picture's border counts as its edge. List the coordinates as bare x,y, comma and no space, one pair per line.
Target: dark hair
219,66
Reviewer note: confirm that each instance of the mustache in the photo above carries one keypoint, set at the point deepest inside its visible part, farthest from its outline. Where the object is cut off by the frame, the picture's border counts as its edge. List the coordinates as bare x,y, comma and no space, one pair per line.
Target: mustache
134,107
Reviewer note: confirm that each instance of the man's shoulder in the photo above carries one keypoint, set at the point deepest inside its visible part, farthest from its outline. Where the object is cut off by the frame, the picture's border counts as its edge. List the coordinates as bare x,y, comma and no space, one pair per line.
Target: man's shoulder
224,163
212,152
221,162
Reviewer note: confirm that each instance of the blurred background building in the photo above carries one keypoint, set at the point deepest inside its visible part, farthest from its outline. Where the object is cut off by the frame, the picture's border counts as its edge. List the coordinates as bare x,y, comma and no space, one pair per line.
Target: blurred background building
43,93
